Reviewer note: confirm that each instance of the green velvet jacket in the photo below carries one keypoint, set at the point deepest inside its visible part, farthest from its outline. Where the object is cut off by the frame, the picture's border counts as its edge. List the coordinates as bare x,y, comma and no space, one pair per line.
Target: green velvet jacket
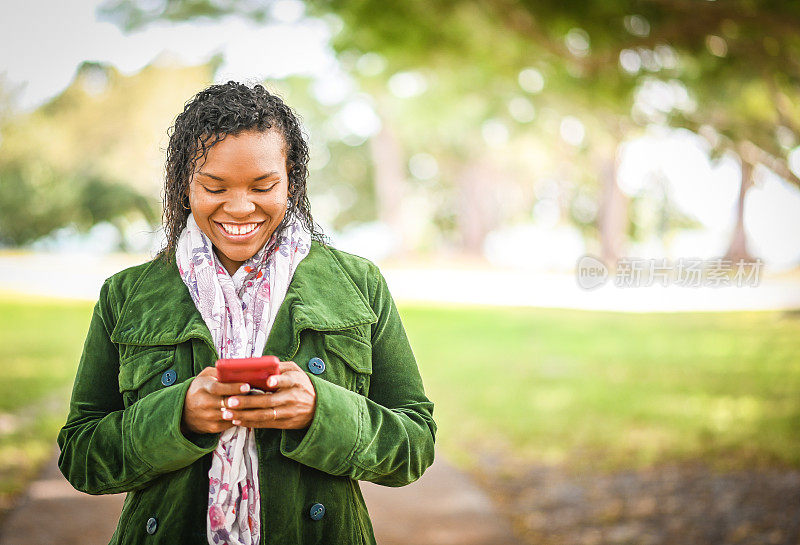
373,421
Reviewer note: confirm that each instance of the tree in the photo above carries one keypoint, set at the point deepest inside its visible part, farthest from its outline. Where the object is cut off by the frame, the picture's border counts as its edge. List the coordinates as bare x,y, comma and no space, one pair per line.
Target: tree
472,76
92,153
596,55
35,200
748,50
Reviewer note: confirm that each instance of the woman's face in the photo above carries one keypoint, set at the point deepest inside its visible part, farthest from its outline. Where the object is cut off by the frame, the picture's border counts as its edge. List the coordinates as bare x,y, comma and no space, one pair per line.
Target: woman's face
239,195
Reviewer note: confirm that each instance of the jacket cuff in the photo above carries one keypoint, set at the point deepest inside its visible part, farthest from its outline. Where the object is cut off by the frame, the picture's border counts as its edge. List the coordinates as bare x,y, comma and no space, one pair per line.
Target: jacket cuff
330,441
156,435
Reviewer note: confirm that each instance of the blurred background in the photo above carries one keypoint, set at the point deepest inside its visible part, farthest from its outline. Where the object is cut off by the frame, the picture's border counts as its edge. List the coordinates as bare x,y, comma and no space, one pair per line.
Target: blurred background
476,151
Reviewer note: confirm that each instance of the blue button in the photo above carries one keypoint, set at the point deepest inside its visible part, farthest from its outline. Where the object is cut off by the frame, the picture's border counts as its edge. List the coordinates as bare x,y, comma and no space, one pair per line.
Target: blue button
317,511
169,377
316,366
152,525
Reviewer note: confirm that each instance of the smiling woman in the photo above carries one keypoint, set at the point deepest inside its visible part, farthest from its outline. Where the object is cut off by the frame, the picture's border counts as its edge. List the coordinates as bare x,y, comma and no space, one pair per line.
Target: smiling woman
244,273
241,195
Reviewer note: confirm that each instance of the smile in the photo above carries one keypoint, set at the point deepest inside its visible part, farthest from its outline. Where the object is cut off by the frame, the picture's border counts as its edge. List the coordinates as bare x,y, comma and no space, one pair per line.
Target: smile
238,230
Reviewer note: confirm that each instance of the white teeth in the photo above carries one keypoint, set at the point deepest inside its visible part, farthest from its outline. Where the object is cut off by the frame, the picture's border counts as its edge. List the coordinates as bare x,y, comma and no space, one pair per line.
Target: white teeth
236,229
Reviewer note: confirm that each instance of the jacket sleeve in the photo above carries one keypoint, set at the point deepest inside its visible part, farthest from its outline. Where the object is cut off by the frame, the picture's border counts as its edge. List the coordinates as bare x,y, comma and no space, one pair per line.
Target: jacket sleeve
388,437
102,442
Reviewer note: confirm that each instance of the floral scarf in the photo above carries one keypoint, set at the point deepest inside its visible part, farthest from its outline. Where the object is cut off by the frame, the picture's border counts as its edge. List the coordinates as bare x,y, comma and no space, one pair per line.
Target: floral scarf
239,311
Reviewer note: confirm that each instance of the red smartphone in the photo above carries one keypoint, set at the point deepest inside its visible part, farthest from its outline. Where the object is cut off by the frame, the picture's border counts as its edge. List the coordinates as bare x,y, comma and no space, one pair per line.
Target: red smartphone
254,371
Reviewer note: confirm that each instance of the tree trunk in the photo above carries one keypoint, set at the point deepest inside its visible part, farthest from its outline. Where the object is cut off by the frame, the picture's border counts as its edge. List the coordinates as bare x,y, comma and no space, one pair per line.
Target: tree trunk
478,212
613,215
738,246
390,180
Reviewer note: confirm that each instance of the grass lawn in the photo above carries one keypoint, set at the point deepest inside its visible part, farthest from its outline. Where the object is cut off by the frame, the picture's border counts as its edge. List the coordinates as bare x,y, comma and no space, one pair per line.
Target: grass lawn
40,343
612,390
541,385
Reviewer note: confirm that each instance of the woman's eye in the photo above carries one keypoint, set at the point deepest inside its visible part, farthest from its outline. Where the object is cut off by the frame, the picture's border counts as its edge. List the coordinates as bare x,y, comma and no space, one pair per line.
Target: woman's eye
213,191
264,189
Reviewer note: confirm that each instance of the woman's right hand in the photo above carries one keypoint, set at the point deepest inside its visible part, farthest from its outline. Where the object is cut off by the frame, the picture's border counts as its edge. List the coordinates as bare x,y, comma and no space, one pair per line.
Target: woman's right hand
203,407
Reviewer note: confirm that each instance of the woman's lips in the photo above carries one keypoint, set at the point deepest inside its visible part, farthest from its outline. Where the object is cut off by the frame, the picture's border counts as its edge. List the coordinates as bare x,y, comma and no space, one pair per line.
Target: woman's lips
239,231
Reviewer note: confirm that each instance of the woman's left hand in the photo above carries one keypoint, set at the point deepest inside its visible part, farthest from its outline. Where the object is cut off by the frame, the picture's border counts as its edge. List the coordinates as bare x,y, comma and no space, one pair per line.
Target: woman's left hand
291,406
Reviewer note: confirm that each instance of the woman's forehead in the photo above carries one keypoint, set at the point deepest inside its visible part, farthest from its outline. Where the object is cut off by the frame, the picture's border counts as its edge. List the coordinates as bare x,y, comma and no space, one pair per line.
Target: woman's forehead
246,150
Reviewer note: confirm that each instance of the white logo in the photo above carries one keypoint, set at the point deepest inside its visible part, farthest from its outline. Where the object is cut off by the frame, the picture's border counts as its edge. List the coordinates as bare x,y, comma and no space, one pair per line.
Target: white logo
591,272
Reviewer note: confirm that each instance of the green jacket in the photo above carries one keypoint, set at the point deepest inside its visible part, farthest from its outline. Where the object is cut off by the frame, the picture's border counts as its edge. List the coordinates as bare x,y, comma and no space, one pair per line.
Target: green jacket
373,421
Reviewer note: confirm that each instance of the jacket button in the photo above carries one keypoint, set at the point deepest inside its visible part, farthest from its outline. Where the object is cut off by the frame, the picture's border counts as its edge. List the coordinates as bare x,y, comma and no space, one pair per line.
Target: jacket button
317,511
316,366
152,525
169,377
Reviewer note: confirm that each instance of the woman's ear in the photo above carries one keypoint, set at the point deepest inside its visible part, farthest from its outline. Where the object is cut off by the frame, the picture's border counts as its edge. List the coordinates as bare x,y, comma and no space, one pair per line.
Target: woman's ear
289,167
185,199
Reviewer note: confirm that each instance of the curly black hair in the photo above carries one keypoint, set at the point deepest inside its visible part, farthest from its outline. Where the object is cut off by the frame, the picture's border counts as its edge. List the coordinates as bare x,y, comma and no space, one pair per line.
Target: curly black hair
210,116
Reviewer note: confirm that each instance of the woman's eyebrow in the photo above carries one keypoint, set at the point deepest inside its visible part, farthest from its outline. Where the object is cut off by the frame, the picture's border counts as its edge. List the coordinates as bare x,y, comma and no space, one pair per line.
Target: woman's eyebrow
256,179
270,174
210,176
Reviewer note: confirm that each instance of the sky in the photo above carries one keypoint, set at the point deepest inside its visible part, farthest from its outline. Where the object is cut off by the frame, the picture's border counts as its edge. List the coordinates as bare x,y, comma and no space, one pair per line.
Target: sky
42,42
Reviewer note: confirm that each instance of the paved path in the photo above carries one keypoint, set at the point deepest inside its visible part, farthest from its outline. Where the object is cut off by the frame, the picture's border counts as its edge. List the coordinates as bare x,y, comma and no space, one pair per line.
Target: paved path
443,508
80,276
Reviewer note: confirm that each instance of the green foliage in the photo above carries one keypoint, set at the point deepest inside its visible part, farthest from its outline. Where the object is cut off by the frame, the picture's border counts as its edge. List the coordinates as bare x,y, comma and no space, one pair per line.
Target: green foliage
35,200
737,59
131,17
737,41
345,176
104,201
93,153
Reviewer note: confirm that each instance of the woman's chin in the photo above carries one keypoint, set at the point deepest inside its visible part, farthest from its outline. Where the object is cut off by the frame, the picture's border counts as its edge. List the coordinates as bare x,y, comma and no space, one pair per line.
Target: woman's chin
227,257
237,256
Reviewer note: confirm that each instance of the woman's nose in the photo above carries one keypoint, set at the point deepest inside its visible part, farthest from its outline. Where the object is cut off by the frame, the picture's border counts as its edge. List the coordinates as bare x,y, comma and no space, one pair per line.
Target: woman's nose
239,204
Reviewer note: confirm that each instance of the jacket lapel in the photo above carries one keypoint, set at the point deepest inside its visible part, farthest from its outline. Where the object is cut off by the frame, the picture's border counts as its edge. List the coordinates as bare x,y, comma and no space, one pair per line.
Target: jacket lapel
321,296
159,310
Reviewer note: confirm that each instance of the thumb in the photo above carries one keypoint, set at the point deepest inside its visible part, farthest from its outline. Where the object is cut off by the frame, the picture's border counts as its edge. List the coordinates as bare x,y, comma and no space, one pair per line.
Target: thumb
209,371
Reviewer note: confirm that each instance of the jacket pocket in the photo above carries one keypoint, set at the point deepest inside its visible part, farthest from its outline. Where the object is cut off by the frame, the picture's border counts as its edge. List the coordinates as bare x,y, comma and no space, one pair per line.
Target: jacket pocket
172,509
145,370
350,360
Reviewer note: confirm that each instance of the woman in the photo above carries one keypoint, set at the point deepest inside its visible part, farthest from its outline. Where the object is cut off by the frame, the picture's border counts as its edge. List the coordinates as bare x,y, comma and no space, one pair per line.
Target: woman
244,273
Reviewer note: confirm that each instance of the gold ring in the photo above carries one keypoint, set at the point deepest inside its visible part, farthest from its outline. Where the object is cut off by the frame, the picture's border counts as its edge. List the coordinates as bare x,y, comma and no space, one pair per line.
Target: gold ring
222,402
274,414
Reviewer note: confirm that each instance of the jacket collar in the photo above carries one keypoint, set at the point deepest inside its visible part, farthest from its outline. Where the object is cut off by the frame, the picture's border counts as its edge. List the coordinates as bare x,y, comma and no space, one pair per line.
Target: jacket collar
321,296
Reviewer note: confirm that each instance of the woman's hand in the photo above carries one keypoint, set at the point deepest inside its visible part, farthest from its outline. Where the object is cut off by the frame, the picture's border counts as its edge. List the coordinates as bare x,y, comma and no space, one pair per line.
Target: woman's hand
202,410
291,406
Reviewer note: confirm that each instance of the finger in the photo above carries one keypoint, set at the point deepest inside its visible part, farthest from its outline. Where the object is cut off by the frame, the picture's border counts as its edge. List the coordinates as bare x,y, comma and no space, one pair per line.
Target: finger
286,366
242,402
210,371
219,389
259,418
286,380
215,415
282,423
219,427
262,401
215,403
210,421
